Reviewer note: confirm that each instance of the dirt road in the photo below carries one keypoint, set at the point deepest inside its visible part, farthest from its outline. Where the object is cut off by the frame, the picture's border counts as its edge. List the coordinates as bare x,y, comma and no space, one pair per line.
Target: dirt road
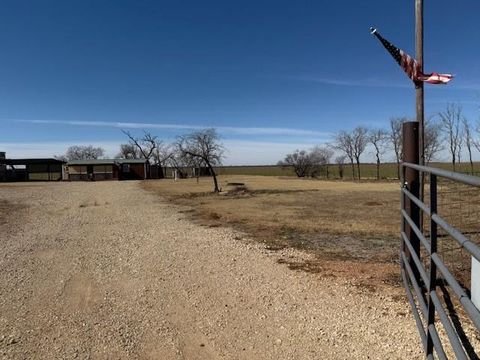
107,271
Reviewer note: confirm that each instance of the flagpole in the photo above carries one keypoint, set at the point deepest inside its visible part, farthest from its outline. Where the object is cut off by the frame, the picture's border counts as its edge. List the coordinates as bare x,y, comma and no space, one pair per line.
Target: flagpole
419,93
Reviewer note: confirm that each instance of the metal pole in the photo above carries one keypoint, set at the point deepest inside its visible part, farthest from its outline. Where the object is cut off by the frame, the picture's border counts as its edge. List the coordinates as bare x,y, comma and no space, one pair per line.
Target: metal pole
433,267
411,182
419,93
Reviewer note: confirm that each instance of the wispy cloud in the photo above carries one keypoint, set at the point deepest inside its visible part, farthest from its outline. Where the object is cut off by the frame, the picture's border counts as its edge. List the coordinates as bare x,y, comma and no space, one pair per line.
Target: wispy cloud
351,82
230,130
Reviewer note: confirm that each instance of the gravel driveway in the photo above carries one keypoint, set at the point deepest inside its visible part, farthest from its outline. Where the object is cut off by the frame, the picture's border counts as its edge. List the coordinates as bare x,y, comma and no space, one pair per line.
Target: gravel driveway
106,270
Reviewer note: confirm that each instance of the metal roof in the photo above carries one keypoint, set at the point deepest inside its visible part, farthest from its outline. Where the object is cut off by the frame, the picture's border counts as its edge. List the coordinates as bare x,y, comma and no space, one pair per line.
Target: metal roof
31,161
106,161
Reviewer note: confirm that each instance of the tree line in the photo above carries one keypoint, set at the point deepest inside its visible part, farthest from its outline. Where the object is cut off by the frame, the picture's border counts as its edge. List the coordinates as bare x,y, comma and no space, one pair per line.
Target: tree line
448,130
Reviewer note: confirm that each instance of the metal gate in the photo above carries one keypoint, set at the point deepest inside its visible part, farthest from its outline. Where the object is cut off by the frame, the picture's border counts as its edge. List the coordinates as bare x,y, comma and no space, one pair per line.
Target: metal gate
443,321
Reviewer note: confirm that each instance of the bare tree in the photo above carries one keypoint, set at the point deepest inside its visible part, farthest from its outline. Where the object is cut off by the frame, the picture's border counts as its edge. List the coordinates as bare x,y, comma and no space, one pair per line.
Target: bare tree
360,141
163,152
84,152
60,157
469,142
340,161
203,145
396,139
145,145
450,122
378,137
460,146
300,161
321,156
345,143
128,151
433,139
178,161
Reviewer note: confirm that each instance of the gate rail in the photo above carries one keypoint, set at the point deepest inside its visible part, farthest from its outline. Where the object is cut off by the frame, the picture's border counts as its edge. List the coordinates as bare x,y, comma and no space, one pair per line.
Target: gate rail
425,283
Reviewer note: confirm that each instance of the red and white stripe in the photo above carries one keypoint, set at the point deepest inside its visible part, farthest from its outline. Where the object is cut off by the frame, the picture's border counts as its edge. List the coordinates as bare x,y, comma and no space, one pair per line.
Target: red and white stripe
412,68
435,78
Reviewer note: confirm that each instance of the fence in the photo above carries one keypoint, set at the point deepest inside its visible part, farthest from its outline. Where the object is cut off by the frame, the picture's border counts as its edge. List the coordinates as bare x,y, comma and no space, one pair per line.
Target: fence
436,260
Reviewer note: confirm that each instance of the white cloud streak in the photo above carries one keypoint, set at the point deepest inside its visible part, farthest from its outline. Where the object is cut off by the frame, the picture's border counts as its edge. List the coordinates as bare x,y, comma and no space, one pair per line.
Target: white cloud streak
352,83
230,130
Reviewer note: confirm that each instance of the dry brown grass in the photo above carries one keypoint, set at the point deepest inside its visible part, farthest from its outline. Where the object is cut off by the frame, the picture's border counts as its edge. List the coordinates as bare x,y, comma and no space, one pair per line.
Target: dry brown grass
350,228
282,206
306,205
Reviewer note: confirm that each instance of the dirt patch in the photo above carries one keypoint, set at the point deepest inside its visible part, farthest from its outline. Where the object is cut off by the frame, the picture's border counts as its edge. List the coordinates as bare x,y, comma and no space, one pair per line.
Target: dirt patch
80,293
373,203
366,274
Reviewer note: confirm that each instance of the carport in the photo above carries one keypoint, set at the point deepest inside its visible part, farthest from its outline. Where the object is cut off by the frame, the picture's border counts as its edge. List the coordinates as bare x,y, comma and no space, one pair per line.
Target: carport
36,169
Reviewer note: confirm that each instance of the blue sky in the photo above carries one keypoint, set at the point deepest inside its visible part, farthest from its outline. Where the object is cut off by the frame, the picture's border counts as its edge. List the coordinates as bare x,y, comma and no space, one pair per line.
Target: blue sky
272,76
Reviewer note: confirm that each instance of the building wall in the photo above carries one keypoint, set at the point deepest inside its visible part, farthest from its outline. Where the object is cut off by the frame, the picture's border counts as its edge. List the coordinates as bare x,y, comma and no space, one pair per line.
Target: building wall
126,171
100,172
77,169
77,172
44,172
44,176
138,170
3,167
43,168
103,172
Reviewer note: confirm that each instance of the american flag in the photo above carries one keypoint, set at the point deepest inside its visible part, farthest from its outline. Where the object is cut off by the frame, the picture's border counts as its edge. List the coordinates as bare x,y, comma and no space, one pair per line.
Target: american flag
409,64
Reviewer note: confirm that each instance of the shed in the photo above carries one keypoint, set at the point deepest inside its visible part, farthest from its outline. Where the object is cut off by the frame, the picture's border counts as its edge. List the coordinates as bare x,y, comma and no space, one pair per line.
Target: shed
107,169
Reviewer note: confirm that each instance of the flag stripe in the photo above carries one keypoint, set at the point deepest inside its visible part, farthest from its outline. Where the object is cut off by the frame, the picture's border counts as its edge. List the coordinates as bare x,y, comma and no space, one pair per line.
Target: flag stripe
410,65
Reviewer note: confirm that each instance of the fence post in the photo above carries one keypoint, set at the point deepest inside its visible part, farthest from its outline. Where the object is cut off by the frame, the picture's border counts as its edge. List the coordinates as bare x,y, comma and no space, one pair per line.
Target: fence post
412,183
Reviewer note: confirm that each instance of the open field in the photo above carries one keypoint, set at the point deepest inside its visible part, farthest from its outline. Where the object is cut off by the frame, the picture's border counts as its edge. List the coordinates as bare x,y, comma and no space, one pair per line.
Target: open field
283,204
102,270
368,171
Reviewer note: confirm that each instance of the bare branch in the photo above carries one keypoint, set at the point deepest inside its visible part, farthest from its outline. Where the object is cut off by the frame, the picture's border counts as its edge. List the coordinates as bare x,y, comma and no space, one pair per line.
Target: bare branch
378,137
450,121
80,152
146,145
396,139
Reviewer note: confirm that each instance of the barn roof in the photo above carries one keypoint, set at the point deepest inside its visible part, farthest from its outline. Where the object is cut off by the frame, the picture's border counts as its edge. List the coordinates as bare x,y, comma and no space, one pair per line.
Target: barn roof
106,161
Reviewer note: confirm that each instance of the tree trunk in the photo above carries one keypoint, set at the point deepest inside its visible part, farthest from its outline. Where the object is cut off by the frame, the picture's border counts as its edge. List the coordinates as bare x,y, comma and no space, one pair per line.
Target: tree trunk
353,170
471,161
215,183
358,169
378,168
